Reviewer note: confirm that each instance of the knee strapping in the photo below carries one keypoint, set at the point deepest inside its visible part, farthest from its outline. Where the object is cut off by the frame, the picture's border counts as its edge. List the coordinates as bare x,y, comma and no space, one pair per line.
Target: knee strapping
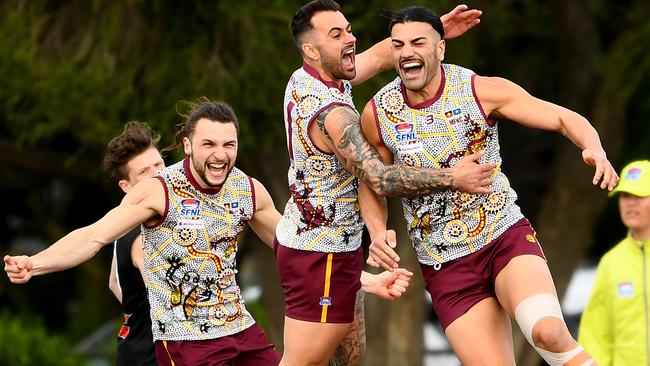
530,311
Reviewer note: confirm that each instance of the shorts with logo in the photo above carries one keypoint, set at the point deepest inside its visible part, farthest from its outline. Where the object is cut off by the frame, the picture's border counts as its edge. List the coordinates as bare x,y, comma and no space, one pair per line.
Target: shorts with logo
319,287
248,347
461,283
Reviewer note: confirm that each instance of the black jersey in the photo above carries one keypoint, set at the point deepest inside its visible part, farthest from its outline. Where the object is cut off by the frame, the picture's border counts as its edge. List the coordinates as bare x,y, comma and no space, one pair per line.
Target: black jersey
135,341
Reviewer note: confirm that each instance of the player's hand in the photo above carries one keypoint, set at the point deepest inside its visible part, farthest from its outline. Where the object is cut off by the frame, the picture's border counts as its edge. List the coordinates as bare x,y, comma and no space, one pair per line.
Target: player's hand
605,173
472,177
18,268
382,251
388,285
460,20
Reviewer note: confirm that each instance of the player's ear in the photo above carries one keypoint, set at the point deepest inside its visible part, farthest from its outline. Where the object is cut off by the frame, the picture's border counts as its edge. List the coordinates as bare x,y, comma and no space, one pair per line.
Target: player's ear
187,145
310,51
440,49
124,185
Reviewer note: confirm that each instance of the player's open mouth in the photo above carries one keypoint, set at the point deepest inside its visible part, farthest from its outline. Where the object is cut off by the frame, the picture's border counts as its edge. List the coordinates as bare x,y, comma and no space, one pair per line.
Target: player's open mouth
348,59
217,169
411,68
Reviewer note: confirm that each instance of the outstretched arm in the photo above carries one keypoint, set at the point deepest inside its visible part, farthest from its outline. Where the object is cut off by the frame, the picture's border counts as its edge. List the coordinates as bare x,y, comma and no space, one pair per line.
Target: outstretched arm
144,201
502,98
266,217
378,59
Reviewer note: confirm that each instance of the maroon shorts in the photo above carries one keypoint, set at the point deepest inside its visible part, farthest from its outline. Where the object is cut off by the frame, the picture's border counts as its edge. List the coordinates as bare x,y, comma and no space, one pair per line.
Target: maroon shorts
319,287
248,347
461,283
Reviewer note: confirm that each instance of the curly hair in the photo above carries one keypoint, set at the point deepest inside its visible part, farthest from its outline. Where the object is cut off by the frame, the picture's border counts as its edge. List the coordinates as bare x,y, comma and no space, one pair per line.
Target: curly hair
136,138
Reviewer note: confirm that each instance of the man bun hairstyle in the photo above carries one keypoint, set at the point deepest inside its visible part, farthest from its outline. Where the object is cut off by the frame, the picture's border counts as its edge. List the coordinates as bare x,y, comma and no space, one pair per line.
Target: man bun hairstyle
215,111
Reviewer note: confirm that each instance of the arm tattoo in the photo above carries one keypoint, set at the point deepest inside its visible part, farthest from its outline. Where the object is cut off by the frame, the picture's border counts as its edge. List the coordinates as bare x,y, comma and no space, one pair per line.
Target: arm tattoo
320,120
389,180
354,344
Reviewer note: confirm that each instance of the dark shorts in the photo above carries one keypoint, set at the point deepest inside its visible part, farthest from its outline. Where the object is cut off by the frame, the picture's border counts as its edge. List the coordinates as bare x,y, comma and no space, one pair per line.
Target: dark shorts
248,347
319,287
461,283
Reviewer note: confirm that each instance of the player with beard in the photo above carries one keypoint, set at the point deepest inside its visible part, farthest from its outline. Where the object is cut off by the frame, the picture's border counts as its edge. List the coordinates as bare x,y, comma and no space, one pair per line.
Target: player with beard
192,214
318,253
480,257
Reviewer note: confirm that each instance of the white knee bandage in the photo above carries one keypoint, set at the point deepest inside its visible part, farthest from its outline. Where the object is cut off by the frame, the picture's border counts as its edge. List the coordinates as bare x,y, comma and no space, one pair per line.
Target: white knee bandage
530,311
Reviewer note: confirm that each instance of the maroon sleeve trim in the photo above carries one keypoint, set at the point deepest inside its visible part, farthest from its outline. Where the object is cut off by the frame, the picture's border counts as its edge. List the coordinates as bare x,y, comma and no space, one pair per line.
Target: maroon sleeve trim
376,117
164,215
490,122
290,106
333,104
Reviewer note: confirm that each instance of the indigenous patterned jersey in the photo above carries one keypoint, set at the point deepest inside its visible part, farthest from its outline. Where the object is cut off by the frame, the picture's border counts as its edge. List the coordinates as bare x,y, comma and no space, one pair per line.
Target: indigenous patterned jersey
189,257
322,213
436,134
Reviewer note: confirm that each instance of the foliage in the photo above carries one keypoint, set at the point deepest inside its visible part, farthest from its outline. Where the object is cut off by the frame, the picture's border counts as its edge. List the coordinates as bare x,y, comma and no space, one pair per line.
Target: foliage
27,342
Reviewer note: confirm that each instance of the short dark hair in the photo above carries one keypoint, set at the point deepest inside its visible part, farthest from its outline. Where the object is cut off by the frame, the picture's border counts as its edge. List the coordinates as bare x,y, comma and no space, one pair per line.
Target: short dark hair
417,14
216,111
301,21
136,138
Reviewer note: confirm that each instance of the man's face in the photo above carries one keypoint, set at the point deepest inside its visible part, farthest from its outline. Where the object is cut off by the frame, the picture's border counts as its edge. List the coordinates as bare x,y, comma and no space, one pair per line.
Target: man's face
635,211
212,149
417,51
332,37
142,166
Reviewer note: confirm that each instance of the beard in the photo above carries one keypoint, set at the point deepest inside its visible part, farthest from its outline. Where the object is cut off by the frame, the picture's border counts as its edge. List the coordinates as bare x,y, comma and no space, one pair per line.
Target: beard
200,168
332,65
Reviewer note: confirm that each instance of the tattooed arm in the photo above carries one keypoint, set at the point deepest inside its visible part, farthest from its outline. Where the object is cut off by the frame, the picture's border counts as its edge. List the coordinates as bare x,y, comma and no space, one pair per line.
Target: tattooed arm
340,129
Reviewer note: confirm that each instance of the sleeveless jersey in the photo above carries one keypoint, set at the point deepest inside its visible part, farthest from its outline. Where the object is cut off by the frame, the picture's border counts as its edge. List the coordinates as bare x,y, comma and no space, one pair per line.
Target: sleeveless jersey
190,257
436,134
322,213
134,340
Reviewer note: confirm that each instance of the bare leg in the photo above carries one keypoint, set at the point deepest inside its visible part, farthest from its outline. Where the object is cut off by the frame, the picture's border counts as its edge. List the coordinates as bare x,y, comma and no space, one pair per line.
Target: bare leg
525,276
352,347
311,343
483,335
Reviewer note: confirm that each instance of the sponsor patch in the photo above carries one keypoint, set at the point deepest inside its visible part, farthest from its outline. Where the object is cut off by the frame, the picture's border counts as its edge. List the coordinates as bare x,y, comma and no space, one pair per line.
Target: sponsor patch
232,207
124,329
634,174
190,207
325,301
625,289
454,116
405,133
190,214
411,148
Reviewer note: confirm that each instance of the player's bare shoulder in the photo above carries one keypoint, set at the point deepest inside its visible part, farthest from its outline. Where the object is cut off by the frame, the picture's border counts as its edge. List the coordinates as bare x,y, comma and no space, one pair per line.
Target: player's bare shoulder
148,194
495,92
